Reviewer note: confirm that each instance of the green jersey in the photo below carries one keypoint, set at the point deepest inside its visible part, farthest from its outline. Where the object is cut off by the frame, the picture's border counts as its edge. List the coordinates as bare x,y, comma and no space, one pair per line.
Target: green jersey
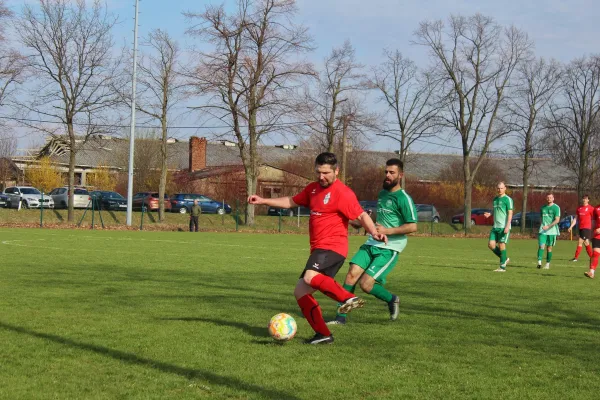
393,210
549,214
502,205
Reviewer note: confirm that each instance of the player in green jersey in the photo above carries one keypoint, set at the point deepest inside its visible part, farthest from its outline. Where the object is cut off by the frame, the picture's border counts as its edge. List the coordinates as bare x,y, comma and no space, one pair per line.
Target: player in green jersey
548,230
503,212
396,217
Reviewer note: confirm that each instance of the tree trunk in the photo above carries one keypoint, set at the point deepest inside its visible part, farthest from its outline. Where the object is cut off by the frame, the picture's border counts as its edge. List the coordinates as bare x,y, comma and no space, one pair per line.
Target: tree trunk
582,175
525,188
251,186
71,192
163,172
468,181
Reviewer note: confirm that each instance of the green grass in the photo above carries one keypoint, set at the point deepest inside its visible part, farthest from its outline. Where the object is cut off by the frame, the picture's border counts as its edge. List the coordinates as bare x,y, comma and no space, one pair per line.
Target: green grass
158,315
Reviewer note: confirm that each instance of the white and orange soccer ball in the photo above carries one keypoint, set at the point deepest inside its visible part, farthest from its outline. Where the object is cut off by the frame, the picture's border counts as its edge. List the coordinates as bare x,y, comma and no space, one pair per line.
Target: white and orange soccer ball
282,327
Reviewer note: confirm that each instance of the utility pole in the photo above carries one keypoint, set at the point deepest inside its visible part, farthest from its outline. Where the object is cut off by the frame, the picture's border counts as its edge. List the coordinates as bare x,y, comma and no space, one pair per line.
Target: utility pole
132,133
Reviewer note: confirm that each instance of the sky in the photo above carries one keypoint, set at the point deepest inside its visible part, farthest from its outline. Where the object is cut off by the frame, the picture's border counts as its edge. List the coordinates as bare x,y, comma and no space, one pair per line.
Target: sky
560,29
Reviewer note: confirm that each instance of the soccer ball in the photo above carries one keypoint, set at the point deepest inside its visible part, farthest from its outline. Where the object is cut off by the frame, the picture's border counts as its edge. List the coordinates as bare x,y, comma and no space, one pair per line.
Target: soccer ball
282,327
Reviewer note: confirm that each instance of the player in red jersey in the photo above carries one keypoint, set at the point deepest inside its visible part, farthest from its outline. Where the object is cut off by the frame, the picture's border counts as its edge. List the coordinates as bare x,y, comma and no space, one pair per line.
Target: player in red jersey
584,216
595,244
332,205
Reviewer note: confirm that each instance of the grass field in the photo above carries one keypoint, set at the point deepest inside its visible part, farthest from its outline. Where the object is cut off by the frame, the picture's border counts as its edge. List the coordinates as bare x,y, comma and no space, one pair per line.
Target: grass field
158,315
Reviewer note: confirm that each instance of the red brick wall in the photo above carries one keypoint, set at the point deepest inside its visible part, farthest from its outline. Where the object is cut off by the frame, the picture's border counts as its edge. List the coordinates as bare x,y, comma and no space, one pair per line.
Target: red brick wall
197,153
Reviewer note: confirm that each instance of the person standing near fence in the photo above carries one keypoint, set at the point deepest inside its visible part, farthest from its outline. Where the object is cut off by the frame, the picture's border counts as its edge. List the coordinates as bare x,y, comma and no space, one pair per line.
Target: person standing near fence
195,212
503,212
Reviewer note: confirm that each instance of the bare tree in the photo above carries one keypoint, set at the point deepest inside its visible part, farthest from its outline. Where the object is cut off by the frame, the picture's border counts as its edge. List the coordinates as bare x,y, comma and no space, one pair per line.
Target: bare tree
574,120
409,97
69,47
340,80
252,74
161,89
8,148
12,63
476,59
538,82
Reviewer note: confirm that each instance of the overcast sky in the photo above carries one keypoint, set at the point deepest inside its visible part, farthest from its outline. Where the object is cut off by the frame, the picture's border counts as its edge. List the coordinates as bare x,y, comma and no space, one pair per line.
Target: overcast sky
560,29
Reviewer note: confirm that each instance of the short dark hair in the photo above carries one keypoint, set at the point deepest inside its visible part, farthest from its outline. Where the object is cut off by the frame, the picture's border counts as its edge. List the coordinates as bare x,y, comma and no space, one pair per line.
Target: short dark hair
326,158
397,162
586,196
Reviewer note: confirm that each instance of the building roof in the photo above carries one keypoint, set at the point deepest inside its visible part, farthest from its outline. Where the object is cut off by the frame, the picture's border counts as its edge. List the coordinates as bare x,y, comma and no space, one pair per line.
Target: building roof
113,152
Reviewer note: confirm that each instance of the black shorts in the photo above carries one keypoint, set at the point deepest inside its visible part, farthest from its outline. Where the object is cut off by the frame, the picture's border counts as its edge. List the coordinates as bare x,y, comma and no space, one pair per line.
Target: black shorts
596,243
326,262
585,234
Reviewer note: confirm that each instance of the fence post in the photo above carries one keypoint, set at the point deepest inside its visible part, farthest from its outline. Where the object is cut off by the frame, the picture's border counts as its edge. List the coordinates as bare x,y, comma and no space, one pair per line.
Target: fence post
93,212
142,218
42,211
280,220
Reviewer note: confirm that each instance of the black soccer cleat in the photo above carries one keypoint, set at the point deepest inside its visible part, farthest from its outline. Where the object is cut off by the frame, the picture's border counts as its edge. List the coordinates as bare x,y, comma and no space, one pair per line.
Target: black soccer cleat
394,307
320,339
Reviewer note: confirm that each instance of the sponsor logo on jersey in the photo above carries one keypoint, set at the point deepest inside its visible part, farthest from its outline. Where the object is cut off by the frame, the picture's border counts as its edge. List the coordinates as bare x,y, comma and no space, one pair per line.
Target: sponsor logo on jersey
326,199
388,203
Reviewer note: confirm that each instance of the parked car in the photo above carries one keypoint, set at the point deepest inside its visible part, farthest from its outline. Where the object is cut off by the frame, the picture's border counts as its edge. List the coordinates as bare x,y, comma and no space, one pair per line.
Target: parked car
369,206
533,219
289,212
427,213
183,202
28,196
149,201
107,200
565,222
3,200
477,217
81,198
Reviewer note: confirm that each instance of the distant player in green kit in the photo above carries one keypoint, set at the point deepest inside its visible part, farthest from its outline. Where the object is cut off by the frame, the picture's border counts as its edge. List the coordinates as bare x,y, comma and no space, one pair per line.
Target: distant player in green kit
503,212
548,231
396,217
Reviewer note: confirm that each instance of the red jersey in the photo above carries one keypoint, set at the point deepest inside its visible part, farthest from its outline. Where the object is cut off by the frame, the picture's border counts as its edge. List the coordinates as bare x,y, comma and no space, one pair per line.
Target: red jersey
597,220
584,214
330,210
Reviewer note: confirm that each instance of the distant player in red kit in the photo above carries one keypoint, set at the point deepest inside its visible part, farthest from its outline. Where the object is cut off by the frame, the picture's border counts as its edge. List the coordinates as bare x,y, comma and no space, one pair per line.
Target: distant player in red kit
595,244
332,205
584,216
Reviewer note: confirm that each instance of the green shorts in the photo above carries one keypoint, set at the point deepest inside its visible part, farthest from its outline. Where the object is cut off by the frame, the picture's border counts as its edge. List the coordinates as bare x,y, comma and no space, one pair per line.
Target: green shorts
376,261
497,235
546,240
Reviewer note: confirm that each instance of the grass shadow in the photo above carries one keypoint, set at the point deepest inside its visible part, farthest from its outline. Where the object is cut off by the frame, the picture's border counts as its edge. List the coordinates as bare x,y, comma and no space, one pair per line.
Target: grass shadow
132,359
113,216
257,331
150,216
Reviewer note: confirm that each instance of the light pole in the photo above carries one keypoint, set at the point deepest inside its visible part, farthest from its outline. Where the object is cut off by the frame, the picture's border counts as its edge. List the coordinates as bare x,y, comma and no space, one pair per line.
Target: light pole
132,132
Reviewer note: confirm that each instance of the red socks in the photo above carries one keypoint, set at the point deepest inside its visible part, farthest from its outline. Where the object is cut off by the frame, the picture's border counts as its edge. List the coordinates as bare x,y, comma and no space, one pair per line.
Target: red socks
329,287
589,250
312,312
594,261
578,251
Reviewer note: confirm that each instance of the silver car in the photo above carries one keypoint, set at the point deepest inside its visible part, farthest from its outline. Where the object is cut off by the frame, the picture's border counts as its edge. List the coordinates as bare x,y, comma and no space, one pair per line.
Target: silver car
60,195
27,196
427,213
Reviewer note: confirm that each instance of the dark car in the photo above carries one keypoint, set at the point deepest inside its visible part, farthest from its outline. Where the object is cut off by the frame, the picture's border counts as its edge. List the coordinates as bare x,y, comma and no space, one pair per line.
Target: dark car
107,200
183,202
289,212
3,200
149,200
533,219
369,206
565,222
477,217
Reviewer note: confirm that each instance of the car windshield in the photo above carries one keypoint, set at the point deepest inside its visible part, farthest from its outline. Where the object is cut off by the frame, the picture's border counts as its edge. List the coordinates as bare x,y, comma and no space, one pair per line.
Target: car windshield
109,195
81,191
155,196
30,191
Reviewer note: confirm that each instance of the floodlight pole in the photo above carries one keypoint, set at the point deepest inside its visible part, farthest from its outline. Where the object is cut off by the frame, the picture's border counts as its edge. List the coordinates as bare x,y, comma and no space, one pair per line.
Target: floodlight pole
132,132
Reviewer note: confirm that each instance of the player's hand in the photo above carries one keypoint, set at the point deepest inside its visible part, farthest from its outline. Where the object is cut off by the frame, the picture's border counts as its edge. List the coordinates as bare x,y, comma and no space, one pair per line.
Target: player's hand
255,199
569,230
380,237
545,228
381,229
486,214
506,230
598,231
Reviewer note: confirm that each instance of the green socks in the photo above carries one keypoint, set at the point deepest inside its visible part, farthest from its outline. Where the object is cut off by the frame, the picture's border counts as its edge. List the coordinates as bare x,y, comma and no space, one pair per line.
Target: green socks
497,251
548,256
381,293
349,288
503,257
540,254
